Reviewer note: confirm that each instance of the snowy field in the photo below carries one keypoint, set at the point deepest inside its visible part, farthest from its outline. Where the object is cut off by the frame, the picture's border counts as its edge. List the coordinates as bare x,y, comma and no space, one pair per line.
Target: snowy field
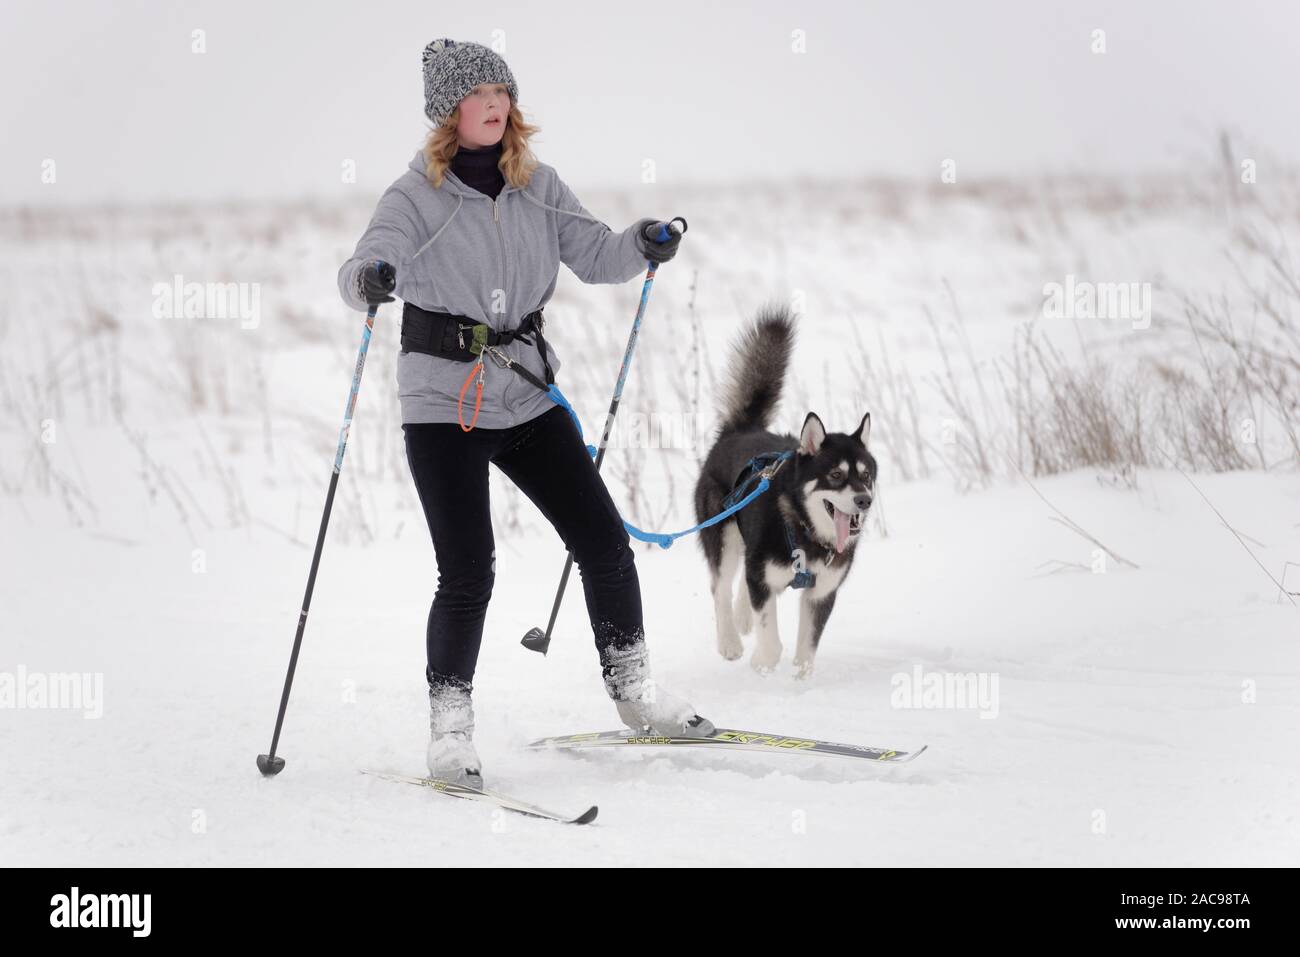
161,481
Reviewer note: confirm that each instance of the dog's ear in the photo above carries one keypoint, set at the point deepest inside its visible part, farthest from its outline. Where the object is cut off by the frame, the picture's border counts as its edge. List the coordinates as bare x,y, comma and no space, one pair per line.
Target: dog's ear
864,429
812,435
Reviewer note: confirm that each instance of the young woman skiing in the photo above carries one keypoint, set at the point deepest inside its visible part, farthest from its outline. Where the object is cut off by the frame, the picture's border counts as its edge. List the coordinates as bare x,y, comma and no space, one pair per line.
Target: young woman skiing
471,238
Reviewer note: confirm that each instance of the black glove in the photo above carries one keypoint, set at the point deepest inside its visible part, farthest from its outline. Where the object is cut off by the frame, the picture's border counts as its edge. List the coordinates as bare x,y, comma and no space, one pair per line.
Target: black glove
376,280
647,241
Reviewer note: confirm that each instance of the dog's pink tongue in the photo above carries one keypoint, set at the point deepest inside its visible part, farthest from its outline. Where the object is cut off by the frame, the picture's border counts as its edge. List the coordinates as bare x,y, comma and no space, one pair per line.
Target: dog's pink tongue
841,529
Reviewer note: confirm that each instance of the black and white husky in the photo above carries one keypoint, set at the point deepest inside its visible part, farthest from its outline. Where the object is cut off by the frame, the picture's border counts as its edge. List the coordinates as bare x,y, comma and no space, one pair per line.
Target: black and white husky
803,530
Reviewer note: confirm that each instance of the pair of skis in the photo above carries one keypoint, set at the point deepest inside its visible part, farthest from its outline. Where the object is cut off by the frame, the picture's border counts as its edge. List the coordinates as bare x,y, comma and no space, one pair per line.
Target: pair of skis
725,739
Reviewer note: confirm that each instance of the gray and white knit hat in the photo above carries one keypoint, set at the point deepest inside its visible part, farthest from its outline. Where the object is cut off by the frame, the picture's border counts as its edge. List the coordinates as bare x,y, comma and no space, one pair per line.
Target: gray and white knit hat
451,71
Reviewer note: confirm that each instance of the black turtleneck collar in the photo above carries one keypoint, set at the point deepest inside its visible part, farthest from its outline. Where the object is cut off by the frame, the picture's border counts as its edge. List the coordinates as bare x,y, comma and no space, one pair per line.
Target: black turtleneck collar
478,168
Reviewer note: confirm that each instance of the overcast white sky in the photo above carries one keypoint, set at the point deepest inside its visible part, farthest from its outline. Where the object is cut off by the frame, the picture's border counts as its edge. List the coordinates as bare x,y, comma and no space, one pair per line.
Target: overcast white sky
709,90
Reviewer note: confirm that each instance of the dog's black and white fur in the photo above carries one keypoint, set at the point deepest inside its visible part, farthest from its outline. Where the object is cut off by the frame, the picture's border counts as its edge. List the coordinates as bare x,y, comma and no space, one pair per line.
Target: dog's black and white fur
821,494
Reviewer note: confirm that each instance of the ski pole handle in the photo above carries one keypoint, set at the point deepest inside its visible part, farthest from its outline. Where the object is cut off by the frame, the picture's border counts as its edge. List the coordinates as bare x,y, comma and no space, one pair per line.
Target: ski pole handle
664,234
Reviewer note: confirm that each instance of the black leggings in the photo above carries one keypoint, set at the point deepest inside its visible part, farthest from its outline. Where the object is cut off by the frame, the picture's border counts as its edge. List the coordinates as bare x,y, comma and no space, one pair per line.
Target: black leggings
546,459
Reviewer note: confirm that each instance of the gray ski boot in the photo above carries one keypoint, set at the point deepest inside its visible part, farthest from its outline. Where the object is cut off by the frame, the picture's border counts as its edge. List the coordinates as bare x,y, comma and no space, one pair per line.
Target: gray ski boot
643,705
451,755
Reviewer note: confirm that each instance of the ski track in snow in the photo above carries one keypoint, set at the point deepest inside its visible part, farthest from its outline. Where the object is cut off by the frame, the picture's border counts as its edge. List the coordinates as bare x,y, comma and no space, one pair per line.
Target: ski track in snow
1118,692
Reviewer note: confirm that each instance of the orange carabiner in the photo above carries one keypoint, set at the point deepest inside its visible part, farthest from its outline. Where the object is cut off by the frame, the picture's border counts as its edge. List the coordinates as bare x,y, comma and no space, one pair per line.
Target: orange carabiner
478,399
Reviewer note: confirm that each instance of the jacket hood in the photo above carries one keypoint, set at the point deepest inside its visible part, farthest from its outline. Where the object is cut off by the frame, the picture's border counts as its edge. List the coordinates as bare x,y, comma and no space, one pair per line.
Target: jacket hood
449,181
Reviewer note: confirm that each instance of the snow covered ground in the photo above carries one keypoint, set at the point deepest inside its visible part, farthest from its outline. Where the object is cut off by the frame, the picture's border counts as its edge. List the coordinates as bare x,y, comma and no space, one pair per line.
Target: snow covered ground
163,478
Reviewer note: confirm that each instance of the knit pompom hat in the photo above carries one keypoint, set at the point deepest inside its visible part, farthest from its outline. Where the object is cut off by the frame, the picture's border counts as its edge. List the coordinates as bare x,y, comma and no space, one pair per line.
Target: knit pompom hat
451,71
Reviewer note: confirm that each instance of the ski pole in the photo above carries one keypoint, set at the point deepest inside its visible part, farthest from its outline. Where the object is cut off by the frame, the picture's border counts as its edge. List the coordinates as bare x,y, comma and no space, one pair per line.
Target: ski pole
536,639
269,764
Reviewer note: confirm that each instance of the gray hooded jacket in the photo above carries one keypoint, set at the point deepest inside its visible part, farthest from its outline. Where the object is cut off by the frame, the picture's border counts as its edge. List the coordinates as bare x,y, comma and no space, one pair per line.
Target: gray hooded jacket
459,251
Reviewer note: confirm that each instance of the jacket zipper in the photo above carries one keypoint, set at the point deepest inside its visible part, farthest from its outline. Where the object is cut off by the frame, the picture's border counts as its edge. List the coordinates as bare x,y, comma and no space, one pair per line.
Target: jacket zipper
496,218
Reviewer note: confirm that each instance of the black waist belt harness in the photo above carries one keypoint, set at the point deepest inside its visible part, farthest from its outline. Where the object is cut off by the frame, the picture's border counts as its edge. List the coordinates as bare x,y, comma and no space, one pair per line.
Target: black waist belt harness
464,340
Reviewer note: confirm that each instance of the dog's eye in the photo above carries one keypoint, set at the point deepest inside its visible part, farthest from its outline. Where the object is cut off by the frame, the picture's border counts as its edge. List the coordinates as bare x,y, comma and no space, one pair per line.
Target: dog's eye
836,475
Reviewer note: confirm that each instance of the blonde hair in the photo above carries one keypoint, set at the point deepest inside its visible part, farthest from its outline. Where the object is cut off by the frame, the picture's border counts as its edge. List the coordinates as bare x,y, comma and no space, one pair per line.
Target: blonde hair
517,159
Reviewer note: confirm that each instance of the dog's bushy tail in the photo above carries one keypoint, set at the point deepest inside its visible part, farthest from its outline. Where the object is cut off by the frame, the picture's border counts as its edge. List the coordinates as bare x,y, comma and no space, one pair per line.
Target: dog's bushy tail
756,369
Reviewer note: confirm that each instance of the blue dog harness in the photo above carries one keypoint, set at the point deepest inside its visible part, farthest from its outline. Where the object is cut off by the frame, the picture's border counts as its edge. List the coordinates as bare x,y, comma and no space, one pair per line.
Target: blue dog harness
766,465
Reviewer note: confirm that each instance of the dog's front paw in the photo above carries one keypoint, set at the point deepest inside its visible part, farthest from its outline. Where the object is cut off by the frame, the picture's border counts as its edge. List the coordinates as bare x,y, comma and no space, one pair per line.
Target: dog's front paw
730,647
765,658
803,668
